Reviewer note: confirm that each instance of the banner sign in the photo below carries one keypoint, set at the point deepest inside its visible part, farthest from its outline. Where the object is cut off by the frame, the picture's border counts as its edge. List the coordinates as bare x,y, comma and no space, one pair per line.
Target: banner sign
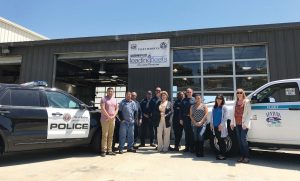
149,53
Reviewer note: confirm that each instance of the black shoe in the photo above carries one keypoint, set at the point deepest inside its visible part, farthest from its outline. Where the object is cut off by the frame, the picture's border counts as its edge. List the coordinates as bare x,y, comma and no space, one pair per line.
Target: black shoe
142,145
121,151
153,145
221,157
131,150
176,149
114,149
186,150
171,149
199,155
245,160
111,153
103,154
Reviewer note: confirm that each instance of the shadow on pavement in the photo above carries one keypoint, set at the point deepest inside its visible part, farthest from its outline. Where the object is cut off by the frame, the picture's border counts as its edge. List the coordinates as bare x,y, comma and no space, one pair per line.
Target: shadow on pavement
273,159
26,157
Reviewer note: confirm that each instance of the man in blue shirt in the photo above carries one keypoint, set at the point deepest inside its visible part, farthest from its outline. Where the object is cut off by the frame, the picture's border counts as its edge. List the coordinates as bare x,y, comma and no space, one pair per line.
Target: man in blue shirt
128,113
137,122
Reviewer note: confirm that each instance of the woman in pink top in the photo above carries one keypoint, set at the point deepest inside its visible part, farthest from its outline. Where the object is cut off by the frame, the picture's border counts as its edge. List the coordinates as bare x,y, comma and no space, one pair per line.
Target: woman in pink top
109,110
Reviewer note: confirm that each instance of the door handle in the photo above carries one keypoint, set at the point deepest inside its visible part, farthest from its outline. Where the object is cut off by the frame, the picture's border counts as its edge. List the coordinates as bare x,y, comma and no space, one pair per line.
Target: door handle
2,112
57,114
294,108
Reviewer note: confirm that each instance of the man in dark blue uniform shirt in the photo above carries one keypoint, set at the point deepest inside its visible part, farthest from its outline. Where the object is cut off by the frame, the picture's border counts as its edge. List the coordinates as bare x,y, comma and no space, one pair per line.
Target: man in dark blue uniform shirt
177,127
186,120
147,125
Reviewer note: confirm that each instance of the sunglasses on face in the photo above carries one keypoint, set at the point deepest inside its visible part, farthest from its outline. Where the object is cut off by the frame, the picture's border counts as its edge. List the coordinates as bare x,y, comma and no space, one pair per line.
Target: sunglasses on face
157,90
188,92
239,93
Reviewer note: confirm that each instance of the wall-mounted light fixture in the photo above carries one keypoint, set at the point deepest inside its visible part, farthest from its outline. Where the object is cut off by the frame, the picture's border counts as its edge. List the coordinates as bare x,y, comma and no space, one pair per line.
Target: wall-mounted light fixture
102,70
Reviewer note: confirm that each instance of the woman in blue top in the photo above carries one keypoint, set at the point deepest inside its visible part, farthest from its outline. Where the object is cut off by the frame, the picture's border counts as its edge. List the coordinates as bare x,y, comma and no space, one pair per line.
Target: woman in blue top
218,124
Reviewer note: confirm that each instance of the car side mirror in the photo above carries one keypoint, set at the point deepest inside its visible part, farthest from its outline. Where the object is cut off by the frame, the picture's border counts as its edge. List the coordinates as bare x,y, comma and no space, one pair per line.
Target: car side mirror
82,106
92,103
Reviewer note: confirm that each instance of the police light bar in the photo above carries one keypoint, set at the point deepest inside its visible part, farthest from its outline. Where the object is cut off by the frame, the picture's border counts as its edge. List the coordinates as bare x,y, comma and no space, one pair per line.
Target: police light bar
38,83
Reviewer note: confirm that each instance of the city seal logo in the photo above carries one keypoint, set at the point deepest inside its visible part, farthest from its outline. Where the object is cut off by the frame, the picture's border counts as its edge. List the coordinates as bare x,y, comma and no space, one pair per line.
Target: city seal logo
273,119
133,46
163,45
67,117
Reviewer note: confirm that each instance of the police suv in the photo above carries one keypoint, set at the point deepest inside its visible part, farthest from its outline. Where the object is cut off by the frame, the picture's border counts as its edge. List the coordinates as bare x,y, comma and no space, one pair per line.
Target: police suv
275,117
33,116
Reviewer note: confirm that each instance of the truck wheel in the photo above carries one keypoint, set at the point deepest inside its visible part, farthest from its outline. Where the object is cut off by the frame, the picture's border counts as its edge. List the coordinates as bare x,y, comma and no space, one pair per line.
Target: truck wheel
96,142
214,144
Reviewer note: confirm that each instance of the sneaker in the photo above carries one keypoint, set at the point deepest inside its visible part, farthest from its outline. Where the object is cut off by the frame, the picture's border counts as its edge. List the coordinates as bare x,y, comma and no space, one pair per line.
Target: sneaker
103,154
111,153
136,147
131,150
121,151
176,149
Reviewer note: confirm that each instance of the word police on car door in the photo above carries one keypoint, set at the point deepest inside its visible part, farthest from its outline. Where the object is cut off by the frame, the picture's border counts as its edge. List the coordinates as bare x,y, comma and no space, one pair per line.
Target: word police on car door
68,123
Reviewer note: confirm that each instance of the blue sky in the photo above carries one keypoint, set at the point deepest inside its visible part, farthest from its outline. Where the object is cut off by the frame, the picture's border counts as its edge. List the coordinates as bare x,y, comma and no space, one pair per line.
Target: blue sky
82,18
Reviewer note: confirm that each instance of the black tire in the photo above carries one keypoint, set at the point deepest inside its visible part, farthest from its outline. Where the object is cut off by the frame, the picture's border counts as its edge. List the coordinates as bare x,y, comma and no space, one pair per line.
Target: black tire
96,142
230,141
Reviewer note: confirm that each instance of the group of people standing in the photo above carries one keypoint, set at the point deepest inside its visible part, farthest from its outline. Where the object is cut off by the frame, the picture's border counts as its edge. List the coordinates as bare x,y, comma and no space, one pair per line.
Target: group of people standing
155,115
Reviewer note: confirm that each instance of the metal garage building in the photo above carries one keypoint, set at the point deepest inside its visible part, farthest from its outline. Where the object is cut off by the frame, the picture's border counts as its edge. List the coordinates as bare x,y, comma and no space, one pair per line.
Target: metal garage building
216,60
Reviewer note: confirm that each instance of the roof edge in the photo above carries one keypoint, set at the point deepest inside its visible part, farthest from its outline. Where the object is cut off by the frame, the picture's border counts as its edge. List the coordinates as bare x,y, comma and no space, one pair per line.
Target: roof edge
6,21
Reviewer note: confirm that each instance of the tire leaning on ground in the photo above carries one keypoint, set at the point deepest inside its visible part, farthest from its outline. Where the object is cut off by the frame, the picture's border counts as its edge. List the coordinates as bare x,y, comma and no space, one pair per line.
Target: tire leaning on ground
230,141
96,142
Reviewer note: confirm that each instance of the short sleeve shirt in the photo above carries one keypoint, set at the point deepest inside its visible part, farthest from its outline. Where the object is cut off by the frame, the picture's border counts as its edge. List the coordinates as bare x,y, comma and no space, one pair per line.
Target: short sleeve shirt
110,106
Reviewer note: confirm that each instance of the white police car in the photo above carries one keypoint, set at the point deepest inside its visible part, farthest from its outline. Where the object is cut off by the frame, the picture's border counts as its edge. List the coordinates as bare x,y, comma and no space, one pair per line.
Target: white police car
275,116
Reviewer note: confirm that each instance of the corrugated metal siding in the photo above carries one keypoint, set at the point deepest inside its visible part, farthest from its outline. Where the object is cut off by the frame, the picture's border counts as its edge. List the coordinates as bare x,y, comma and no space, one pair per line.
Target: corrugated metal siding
142,80
9,33
283,51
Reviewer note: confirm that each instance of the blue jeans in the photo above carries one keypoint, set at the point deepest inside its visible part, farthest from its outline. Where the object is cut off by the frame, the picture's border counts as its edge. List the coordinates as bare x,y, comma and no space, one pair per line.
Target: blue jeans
197,136
126,130
242,139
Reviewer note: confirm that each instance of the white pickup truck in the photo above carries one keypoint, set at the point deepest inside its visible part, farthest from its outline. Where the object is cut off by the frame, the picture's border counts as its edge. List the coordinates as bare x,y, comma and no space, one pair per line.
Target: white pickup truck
275,116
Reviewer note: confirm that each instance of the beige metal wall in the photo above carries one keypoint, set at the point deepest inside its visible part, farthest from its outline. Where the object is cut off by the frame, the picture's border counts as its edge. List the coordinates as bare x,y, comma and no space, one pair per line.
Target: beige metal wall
11,32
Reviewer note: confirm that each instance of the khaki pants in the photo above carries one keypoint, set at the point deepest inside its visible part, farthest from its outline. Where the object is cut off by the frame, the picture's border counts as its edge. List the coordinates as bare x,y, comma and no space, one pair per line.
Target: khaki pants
108,127
163,136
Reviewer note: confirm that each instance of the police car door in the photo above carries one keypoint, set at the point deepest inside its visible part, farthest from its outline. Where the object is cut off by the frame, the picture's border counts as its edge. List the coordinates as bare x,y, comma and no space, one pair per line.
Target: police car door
66,121
24,118
275,115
